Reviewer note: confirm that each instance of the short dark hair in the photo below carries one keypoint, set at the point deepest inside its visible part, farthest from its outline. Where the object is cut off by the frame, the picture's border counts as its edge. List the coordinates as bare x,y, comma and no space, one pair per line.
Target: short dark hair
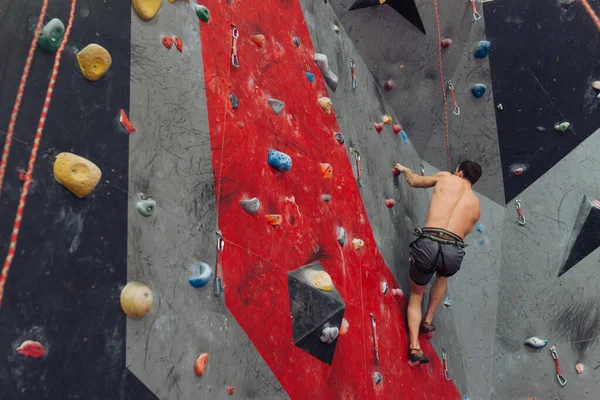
471,171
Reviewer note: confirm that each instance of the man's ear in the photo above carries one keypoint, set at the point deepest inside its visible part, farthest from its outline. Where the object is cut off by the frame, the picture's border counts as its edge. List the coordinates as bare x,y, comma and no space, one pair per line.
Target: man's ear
460,174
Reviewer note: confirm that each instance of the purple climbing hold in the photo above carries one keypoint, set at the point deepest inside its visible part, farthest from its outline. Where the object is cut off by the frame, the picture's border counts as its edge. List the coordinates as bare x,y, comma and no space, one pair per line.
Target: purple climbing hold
235,103
276,105
279,161
251,206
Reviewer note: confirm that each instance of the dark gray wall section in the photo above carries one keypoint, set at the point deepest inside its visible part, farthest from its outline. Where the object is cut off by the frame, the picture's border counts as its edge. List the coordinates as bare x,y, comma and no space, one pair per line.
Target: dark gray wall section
392,47
170,160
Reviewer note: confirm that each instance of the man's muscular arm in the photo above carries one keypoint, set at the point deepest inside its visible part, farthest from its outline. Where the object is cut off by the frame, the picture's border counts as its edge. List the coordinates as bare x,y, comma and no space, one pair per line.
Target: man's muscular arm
418,181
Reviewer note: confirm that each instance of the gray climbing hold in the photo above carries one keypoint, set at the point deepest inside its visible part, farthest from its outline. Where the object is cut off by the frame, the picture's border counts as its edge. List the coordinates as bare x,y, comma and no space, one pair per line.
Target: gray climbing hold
326,197
447,301
146,207
339,137
341,236
540,129
235,103
296,41
329,334
330,78
250,206
377,378
276,105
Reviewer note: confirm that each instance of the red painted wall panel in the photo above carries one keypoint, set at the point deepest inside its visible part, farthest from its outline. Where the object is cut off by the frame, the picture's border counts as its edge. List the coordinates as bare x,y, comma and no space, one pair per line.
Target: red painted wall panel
257,256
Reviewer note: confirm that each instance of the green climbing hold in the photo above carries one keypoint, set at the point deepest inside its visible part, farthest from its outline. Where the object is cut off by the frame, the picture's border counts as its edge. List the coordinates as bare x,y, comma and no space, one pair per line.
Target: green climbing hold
146,207
51,35
202,12
562,126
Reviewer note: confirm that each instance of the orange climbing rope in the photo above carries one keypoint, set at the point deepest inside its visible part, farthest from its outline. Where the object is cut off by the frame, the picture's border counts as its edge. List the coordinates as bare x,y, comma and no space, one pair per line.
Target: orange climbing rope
34,150
20,91
437,21
592,13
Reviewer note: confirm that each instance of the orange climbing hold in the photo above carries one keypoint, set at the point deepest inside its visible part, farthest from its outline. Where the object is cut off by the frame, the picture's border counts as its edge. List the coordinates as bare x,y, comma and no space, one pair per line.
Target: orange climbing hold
387,119
344,327
178,43
327,171
259,40
274,219
126,123
325,103
167,41
378,127
200,364
31,349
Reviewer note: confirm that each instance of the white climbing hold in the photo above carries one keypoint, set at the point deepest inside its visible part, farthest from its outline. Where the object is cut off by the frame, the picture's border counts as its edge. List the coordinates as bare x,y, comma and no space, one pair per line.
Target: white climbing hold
329,334
536,342
276,105
447,301
330,78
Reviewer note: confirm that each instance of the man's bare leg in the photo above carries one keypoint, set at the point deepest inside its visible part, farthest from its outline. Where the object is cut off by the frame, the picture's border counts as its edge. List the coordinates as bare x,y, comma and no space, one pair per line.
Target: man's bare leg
414,313
435,297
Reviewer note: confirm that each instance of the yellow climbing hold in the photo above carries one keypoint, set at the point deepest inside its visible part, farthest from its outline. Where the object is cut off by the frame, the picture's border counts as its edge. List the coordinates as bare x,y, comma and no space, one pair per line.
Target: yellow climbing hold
146,9
325,103
387,119
136,299
321,280
357,243
76,173
381,1
94,60
173,1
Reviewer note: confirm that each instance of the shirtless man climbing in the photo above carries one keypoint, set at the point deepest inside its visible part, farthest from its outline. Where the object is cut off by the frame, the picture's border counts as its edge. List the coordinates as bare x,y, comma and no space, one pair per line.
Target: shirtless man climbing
453,212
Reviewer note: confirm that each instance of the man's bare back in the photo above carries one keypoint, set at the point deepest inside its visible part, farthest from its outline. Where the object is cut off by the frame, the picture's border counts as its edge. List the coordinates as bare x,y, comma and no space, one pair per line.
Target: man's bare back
453,206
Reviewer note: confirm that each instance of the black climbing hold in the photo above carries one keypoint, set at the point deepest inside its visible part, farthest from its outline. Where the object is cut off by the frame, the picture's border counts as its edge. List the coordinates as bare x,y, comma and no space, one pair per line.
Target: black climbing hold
585,236
235,103
377,377
312,310
339,137
296,41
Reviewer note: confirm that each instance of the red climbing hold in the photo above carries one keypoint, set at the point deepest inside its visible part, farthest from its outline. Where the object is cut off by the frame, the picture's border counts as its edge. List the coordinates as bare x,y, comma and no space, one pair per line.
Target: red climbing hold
32,349
397,128
390,203
327,171
389,85
178,43
395,172
200,364
167,41
518,171
126,123
230,390
446,43
378,127
22,175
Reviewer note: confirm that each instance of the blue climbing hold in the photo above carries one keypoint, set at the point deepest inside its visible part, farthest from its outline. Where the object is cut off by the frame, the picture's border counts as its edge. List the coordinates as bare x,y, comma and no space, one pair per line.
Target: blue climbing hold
203,273
310,77
479,228
483,49
478,90
279,161
404,137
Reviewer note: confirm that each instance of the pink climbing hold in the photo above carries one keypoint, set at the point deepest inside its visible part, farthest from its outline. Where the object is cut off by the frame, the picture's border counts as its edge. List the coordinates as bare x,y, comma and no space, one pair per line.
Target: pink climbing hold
230,390
32,349
579,368
397,293
397,128
390,203
518,169
389,85
445,43
378,127
395,172
167,41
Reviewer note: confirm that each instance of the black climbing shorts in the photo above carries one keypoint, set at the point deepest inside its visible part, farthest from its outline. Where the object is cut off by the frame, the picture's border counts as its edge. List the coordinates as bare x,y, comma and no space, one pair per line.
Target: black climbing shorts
436,250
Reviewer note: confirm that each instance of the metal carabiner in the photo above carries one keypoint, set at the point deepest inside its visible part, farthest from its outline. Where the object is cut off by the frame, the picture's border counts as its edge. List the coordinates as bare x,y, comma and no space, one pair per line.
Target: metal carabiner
220,246
353,70
456,107
445,363
520,212
476,15
235,34
561,380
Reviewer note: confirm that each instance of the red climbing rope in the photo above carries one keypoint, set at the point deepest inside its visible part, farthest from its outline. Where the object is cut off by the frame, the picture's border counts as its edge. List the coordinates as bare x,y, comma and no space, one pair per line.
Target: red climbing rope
20,91
34,150
592,13
443,83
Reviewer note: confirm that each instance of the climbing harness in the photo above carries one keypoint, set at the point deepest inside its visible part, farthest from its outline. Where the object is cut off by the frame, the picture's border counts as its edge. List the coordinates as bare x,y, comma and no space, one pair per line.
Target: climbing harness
561,380
591,12
520,212
476,15
456,107
353,70
440,236
422,170
445,363
358,170
235,34
218,268
374,329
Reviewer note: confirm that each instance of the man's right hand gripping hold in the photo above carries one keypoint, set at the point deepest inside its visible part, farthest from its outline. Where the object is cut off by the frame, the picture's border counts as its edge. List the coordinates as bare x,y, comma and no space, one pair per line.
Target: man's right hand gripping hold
453,212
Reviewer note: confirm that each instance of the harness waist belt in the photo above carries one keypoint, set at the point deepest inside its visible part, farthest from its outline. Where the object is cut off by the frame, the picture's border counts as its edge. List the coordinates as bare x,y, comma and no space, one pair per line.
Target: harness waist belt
440,235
